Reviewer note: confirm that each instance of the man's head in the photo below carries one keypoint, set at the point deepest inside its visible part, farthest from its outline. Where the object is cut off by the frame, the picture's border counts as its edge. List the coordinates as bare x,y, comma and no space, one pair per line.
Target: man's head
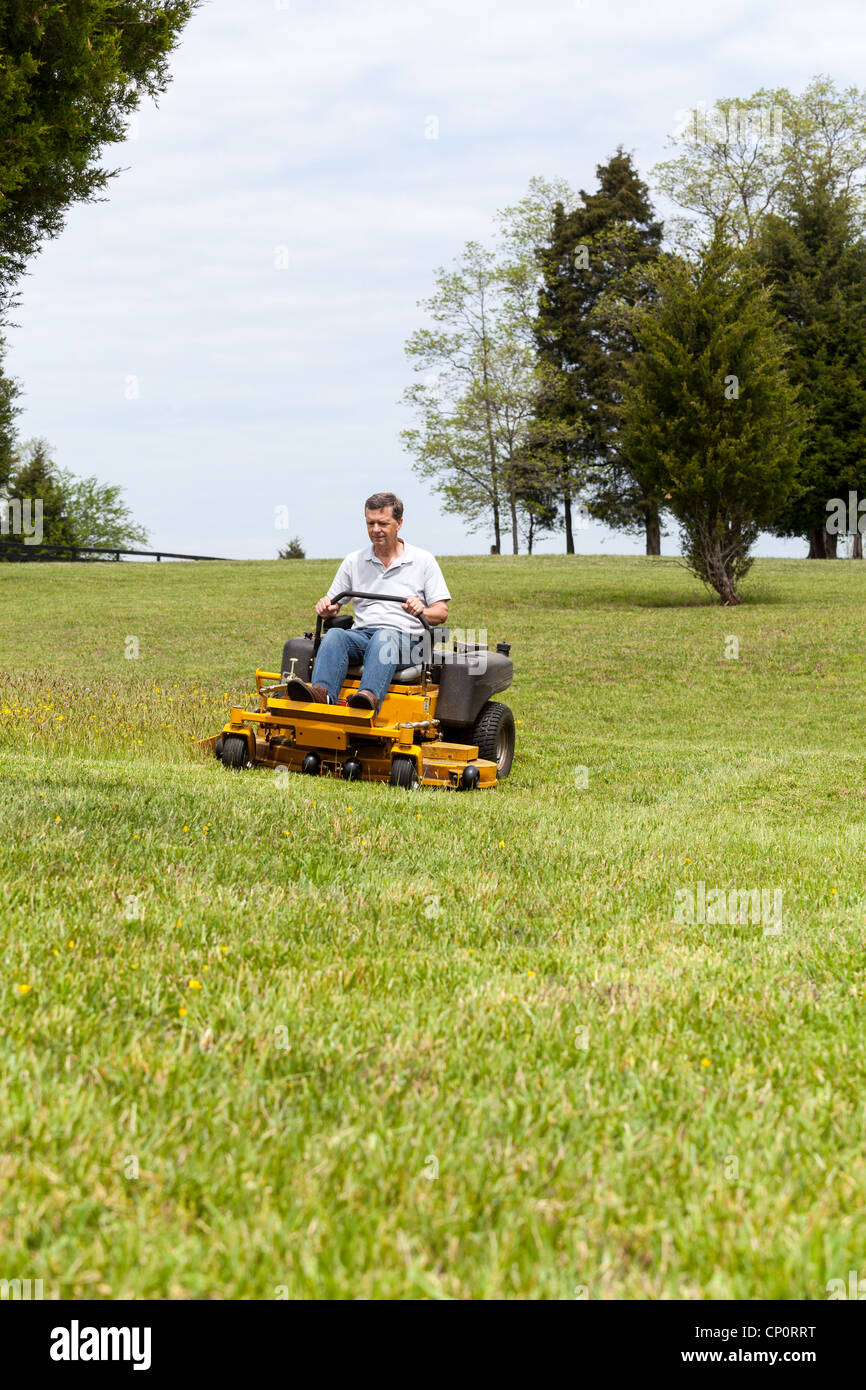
383,513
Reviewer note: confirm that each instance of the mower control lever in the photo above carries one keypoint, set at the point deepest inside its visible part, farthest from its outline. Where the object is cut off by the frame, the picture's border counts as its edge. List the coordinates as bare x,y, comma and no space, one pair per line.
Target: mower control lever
386,598
357,593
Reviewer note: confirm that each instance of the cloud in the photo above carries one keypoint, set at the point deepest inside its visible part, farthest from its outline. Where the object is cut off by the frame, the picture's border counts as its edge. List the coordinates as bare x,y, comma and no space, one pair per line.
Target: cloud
304,126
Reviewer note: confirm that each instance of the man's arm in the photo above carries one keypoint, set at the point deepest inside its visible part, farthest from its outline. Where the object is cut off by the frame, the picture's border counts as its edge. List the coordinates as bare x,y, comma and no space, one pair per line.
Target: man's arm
342,580
435,590
435,613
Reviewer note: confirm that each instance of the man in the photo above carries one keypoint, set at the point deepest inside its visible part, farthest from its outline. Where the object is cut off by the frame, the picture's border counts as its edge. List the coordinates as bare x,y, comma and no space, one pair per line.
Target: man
387,565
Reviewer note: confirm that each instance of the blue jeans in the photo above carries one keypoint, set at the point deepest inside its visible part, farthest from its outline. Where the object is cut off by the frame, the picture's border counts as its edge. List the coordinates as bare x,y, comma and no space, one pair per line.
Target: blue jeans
344,646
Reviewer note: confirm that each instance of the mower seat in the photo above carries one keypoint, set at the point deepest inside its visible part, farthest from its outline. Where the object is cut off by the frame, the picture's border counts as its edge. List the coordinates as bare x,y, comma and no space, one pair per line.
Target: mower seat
404,675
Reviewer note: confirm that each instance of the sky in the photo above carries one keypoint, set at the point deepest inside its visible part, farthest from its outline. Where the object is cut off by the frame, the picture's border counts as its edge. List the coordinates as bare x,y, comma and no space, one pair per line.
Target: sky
224,337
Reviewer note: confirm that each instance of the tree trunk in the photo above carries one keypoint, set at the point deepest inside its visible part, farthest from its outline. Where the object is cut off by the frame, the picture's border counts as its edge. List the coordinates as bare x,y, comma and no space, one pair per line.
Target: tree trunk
569,532
718,571
857,552
653,531
497,534
830,539
515,549
817,550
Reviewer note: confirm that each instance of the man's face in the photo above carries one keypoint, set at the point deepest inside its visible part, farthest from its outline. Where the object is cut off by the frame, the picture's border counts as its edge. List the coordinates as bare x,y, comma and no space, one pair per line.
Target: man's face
382,528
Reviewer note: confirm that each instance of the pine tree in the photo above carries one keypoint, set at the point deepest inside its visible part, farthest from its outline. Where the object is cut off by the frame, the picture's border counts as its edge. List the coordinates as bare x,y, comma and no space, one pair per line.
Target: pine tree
709,415
594,264
36,477
816,266
8,411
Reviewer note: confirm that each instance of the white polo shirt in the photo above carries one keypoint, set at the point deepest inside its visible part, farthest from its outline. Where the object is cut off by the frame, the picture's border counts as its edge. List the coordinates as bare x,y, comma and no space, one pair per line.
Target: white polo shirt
415,573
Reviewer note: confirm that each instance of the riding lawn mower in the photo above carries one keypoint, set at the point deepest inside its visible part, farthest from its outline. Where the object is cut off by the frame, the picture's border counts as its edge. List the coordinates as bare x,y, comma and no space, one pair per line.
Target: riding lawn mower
437,725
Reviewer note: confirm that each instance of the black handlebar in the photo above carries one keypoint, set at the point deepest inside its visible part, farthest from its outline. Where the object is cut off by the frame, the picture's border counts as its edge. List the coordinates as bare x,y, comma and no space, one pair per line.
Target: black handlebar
358,593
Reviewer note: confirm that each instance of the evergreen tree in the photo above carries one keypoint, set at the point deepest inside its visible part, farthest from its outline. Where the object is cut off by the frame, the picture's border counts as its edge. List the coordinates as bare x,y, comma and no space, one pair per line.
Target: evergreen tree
78,512
816,266
35,477
709,415
8,411
596,263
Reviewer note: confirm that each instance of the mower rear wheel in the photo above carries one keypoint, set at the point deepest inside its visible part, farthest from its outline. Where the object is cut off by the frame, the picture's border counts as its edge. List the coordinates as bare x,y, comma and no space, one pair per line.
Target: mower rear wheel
493,732
234,751
404,773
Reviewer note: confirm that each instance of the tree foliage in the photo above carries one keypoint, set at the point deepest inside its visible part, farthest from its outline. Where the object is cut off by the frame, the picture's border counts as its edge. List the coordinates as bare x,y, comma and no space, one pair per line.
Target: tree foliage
747,158
478,379
78,512
71,73
815,263
293,550
594,263
9,409
709,414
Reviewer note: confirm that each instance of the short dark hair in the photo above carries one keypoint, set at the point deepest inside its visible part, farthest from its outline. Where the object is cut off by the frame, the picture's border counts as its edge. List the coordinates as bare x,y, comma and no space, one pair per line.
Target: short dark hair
385,499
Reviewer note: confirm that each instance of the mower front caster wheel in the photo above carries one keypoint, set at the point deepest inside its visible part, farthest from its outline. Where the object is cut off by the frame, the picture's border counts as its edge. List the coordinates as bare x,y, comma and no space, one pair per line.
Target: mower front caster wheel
234,752
312,764
404,773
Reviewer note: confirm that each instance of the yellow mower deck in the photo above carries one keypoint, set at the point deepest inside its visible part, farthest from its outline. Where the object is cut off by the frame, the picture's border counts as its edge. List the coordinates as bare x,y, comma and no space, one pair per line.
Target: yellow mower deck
282,732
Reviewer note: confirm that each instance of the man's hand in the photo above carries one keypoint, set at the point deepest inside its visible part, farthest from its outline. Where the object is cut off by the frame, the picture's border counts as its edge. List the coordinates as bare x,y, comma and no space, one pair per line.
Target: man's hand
414,606
326,609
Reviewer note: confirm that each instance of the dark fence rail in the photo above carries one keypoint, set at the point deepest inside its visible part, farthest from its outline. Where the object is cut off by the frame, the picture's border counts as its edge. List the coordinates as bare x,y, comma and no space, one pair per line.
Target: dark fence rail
85,552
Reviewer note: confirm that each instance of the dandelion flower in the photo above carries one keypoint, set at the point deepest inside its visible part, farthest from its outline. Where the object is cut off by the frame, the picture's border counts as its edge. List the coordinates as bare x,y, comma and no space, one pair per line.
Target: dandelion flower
194,984
24,989
182,1011
705,1062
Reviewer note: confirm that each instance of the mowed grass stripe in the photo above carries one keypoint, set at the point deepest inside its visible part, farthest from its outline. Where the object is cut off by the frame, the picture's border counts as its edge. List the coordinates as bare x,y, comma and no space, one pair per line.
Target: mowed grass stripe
338,1041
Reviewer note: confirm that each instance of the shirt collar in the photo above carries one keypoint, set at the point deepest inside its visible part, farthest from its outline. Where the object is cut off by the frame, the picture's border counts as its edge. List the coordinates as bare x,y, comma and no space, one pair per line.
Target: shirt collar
400,560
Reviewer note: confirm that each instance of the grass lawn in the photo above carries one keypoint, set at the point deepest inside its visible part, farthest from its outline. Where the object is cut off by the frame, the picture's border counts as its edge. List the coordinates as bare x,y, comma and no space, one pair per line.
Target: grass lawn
336,1040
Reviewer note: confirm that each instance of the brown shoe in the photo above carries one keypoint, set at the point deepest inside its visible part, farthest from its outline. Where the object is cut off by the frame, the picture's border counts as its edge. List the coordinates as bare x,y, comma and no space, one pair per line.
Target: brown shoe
363,699
309,694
